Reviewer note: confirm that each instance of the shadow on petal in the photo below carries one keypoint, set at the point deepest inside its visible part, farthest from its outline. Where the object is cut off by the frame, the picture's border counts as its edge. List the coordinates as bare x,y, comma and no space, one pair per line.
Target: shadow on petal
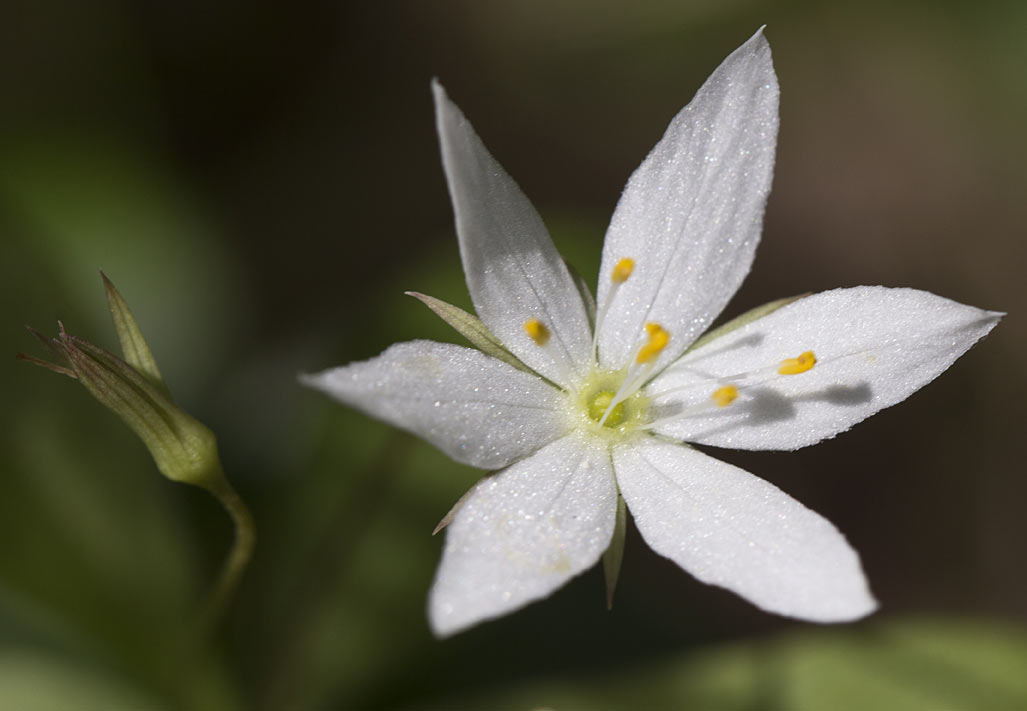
766,406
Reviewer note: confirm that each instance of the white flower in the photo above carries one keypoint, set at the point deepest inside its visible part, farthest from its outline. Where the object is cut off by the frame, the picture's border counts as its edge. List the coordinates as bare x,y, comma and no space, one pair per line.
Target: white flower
575,420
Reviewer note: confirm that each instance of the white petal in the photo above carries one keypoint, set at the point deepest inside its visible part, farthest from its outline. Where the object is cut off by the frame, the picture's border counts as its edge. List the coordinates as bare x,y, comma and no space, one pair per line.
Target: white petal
874,347
478,410
729,528
514,272
691,214
524,533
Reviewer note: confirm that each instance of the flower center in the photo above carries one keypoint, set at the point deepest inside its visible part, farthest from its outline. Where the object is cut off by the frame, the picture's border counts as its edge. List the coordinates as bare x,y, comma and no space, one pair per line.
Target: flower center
594,406
600,404
640,370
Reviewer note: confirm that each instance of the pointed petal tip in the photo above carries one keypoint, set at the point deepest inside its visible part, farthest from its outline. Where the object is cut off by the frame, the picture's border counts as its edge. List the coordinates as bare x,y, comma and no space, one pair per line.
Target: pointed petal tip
758,38
310,380
320,380
759,45
757,48
449,124
439,95
990,319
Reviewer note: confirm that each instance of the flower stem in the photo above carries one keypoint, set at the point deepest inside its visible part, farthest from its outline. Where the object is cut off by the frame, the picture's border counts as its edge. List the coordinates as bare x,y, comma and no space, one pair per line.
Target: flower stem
238,557
194,664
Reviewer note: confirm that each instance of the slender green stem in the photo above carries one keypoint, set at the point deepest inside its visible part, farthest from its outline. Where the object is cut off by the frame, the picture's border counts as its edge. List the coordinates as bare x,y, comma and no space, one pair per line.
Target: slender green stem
194,664
238,557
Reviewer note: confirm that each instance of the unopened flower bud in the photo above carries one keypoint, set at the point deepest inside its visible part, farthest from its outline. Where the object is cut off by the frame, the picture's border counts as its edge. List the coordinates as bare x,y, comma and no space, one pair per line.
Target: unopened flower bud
183,448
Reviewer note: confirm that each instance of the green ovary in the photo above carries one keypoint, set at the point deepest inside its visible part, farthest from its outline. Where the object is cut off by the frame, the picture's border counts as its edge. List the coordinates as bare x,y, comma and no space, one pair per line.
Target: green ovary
597,408
593,398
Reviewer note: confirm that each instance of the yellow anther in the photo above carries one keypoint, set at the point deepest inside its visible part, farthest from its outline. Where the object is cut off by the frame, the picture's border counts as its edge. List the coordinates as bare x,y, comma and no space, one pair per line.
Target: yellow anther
623,270
658,338
794,366
537,330
725,395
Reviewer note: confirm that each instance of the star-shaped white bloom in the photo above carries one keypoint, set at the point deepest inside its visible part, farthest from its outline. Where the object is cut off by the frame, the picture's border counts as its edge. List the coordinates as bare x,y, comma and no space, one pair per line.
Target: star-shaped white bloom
579,406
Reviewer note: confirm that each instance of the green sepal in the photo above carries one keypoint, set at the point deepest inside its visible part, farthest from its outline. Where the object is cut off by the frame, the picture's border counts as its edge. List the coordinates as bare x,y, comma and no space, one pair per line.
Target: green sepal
586,294
133,345
471,327
614,555
448,518
743,320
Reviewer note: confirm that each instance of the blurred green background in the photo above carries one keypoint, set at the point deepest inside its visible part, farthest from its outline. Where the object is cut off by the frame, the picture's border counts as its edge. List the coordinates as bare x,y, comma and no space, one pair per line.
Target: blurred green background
261,180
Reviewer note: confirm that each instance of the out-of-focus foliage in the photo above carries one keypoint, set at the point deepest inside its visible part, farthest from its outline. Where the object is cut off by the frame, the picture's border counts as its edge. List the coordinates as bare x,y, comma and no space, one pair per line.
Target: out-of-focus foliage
912,664
262,183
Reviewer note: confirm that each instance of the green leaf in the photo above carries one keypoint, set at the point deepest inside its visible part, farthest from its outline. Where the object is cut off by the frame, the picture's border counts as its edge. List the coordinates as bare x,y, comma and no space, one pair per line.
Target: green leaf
133,345
743,320
471,327
614,555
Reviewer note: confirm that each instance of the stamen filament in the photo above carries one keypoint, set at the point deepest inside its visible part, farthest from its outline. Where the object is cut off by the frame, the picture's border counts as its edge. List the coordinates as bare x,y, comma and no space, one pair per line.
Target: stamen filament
791,366
642,368
699,408
621,272
740,380
734,385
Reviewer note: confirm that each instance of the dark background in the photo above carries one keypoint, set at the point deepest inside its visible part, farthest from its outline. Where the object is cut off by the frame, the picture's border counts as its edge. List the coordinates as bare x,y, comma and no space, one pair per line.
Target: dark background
262,182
